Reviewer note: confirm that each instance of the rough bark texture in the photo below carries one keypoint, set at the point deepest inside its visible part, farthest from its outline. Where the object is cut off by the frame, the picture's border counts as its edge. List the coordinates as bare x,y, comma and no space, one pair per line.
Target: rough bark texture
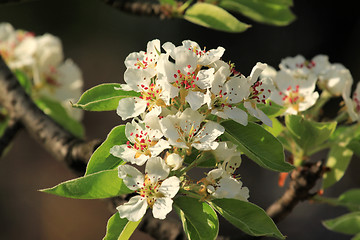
13,127
303,179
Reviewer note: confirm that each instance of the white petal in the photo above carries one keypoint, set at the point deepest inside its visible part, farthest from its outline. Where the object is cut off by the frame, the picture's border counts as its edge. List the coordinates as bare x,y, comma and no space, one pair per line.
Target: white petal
174,161
156,169
237,114
256,71
133,210
206,77
258,113
130,107
210,131
162,207
135,77
132,177
195,99
211,56
123,152
160,146
205,146
170,186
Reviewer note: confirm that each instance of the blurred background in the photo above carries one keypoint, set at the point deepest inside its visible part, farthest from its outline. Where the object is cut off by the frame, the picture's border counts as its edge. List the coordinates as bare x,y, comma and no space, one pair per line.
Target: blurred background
98,38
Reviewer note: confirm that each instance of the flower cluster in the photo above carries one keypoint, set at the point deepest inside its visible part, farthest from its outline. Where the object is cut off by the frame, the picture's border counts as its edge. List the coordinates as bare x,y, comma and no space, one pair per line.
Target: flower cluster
184,92
41,59
296,81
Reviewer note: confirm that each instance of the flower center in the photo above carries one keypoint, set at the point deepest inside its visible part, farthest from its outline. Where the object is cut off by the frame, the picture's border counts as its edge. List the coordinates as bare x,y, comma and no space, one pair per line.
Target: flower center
141,144
150,191
186,81
307,64
292,97
152,95
357,102
257,92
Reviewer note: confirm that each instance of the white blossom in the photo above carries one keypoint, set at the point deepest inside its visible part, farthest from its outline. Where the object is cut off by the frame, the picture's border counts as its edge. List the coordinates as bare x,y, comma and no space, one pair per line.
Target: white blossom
352,104
143,144
154,188
185,130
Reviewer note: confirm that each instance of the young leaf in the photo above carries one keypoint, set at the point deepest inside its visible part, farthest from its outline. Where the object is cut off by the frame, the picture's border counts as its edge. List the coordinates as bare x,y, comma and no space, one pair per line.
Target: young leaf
104,184
258,144
120,228
246,216
347,224
101,159
338,161
57,112
270,12
211,16
199,220
308,134
276,128
103,97
351,199
24,81
205,159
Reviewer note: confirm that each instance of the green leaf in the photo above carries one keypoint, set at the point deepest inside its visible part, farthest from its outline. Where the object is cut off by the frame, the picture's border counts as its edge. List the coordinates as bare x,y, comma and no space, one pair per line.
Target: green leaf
308,134
270,12
276,128
104,184
258,144
3,123
56,111
273,110
351,199
101,159
103,97
170,2
120,228
347,224
356,237
24,81
198,218
338,161
211,16
246,216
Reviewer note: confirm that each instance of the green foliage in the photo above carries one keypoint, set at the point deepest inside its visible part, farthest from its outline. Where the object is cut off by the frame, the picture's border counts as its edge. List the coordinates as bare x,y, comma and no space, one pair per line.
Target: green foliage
101,159
347,224
103,97
308,134
24,81
246,216
338,161
276,128
265,11
198,218
120,228
351,199
204,158
258,144
104,184
211,16
57,112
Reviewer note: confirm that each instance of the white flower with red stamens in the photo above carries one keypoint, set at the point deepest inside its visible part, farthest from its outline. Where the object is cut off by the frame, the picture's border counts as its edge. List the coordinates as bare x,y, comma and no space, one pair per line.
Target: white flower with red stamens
154,188
299,67
225,94
296,95
185,130
186,76
17,47
144,62
143,143
205,58
258,91
352,105
153,97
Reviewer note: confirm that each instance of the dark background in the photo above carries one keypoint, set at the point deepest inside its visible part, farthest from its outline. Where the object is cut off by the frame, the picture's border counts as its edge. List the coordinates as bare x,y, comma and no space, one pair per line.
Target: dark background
98,38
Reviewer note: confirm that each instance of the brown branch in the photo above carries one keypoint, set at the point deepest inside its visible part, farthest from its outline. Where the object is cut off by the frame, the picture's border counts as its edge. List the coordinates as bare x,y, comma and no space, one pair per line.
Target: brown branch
303,179
136,7
12,128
